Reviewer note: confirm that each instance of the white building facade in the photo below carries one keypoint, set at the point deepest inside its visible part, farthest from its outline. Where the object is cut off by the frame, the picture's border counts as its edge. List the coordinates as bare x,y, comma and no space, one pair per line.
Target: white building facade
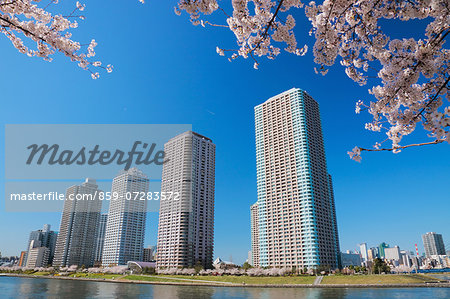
125,227
363,250
38,257
186,221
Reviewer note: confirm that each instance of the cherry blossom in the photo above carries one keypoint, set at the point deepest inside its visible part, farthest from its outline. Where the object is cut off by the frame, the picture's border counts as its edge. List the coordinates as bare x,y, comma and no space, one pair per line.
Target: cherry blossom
411,77
255,30
408,78
412,74
33,20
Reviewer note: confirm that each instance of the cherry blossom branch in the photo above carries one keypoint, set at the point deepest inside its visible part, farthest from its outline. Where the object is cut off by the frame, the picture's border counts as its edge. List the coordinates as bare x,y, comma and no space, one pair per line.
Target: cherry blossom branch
433,99
437,141
8,3
203,23
355,154
224,12
265,34
50,32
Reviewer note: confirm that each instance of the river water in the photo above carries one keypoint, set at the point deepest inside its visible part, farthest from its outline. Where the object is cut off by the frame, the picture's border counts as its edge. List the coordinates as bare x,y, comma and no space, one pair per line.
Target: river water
18,287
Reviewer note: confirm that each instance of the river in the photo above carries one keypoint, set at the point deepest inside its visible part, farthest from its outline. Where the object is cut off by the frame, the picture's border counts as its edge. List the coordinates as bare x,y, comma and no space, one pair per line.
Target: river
19,287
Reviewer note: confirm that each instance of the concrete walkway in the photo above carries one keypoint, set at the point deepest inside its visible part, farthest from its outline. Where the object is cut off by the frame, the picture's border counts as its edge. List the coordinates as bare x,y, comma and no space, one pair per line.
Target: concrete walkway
318,280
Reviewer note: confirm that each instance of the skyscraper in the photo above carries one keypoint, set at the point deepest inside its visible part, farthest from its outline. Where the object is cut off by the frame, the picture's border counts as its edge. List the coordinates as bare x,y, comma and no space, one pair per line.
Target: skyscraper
125,227
186,224
100,238
363,249
433,244
381,248
75,244
43,238
296,214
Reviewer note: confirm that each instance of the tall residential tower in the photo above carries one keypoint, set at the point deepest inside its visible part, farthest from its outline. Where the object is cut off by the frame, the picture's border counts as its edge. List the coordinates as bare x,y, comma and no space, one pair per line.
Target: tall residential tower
296,217
79,222
433,244
125,227
186,221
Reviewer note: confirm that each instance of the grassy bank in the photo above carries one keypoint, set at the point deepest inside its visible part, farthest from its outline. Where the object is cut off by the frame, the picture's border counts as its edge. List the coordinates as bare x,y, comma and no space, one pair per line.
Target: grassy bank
293,280
96,275
226,279
378,279
357,280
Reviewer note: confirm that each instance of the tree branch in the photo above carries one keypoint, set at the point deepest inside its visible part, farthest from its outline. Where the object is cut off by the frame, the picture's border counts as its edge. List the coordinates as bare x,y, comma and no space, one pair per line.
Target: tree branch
433,99
437,141
267,27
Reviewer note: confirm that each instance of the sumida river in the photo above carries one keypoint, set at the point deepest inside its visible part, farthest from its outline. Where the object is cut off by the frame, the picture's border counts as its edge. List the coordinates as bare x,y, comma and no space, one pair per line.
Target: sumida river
19,287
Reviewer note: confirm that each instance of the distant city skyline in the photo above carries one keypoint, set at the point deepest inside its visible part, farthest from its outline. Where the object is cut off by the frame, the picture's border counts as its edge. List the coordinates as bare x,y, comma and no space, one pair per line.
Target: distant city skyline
392,198
356,248
378,247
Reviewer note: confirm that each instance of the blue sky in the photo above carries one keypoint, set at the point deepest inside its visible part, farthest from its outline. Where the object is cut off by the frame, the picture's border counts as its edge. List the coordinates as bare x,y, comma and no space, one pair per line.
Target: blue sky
167,71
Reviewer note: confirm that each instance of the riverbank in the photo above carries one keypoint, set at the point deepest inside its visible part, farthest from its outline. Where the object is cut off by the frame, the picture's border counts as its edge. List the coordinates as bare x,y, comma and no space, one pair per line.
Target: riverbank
348,281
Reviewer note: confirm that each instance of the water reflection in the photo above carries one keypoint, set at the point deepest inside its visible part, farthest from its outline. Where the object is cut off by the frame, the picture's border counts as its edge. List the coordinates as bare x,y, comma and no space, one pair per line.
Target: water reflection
15,287
188,292
270,293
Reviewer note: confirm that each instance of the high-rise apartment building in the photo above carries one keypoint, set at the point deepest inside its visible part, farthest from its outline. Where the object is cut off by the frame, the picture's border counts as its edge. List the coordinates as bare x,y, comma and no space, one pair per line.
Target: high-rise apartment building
381,248
186,222
125,227
37,255
75,244
254,234
296,213
44,237
363,250
100,238
433,244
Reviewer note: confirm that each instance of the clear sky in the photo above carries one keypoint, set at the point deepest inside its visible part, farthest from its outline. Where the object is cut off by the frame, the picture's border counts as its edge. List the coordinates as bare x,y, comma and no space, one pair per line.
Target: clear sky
167,71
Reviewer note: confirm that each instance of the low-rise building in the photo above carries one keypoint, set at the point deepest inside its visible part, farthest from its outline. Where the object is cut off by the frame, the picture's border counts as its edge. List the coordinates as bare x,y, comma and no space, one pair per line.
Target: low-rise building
392,254
350,259
149,254
38,257
219,264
